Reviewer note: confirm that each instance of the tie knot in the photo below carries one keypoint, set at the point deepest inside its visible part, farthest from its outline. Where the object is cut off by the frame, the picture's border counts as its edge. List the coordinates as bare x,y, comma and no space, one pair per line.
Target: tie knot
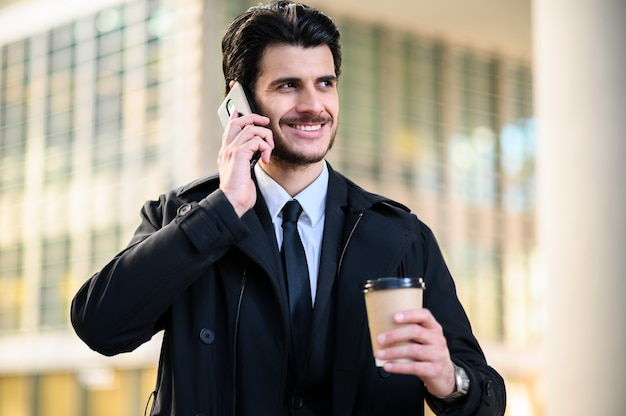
291,211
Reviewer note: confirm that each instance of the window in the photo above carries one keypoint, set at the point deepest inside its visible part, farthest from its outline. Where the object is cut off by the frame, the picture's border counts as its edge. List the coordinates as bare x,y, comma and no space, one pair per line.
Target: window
60,103
108,117
358,129
104,245
473,147
14,82
53,288
158,25
11,287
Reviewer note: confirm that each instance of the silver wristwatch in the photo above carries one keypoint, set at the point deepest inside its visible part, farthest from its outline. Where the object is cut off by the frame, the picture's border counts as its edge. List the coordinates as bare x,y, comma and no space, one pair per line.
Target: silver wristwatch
462,384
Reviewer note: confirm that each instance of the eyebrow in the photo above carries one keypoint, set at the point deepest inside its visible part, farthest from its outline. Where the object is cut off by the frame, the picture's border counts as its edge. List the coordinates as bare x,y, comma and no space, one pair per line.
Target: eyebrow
284,80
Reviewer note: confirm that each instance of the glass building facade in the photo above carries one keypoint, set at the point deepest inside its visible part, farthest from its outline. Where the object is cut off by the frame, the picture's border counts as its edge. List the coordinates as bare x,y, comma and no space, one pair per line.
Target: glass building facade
104,110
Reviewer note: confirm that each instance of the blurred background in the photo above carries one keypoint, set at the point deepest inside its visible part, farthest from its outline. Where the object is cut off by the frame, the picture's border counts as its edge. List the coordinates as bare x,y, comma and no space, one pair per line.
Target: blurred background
107,103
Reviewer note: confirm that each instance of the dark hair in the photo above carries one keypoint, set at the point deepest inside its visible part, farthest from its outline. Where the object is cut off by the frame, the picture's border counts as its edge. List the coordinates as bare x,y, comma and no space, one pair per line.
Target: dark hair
279,22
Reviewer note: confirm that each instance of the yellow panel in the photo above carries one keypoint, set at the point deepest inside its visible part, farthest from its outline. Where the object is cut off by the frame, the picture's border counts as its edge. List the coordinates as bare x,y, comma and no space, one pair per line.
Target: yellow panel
14,396
58,395
105,403
147,384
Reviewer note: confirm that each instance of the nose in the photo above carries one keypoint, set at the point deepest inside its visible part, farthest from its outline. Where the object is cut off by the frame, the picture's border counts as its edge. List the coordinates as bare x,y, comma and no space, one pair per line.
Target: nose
310,101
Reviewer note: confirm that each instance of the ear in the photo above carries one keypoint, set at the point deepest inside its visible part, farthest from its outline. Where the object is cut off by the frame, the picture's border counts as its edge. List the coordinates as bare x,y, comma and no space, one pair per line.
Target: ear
230,84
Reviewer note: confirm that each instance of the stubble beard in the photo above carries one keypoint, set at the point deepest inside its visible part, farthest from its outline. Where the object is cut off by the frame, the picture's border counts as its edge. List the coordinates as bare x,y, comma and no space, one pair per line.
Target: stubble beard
289,159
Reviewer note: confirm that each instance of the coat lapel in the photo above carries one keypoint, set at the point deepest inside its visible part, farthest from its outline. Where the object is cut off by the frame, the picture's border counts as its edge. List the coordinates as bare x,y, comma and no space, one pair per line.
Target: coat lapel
331,246
261,247
373,247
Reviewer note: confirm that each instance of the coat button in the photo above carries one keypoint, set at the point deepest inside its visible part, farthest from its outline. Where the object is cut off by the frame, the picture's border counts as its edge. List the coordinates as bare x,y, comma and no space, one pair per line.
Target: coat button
489,387
183,209
383,374
296,401
207,336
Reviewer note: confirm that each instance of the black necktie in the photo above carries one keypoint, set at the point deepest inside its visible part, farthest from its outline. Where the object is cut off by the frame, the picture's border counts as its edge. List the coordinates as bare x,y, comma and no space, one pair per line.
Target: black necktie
297,272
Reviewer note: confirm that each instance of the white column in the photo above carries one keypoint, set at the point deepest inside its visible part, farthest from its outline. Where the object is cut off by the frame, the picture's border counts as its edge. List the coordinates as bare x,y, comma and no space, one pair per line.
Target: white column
580,67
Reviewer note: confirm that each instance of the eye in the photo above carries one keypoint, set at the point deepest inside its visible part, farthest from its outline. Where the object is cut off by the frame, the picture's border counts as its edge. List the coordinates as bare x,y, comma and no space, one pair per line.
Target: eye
327,83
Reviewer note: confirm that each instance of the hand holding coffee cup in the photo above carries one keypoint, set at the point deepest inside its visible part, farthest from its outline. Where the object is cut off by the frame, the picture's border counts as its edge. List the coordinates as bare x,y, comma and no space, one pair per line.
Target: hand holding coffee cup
386,296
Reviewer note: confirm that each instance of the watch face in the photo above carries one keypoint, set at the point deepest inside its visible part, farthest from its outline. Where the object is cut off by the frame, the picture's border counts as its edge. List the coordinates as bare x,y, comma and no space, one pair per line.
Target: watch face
462,380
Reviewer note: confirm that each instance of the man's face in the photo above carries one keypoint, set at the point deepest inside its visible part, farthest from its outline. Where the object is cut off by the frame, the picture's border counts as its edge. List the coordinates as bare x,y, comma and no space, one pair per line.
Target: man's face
297,89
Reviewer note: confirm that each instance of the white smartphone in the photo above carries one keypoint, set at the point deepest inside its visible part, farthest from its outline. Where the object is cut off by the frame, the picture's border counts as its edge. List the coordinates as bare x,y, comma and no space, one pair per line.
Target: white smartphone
237,99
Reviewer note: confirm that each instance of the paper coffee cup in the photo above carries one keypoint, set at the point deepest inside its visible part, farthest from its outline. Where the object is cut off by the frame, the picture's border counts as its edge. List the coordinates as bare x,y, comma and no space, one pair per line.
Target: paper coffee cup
386,296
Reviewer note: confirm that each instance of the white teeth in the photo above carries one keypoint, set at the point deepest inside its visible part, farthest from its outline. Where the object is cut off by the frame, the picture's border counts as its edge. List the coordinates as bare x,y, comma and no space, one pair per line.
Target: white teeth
308,128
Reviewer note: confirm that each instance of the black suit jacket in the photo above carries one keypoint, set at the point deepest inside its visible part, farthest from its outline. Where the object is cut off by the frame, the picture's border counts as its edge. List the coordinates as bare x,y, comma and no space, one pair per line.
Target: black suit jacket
213,283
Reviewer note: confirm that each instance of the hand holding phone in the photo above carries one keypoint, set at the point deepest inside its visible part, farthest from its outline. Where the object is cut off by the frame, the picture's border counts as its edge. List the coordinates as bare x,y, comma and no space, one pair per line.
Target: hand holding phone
235,177
237,99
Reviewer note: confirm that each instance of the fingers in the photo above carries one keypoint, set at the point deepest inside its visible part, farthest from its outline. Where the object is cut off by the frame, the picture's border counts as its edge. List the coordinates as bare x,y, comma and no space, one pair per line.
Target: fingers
243,137
418,347
420,316
413,351
247,134
418,340
437,376
417,325
237,124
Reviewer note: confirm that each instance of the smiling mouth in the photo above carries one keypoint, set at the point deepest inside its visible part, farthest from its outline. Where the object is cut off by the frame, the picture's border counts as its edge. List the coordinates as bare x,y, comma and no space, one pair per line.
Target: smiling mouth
307,127
306,124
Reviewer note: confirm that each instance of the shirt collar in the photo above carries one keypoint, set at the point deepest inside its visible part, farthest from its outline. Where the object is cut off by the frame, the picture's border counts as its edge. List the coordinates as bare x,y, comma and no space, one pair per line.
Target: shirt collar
312,198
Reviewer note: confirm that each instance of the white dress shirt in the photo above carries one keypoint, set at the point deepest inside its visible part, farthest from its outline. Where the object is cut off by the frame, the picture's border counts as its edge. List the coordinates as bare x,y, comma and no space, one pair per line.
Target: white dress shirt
311,221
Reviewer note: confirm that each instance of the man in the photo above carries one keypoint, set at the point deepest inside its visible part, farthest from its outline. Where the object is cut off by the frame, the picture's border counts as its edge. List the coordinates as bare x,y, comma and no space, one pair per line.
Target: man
208,266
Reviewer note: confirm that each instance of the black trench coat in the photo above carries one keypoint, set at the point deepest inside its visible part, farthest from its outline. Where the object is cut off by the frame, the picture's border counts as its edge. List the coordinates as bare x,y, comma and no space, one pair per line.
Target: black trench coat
213,283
